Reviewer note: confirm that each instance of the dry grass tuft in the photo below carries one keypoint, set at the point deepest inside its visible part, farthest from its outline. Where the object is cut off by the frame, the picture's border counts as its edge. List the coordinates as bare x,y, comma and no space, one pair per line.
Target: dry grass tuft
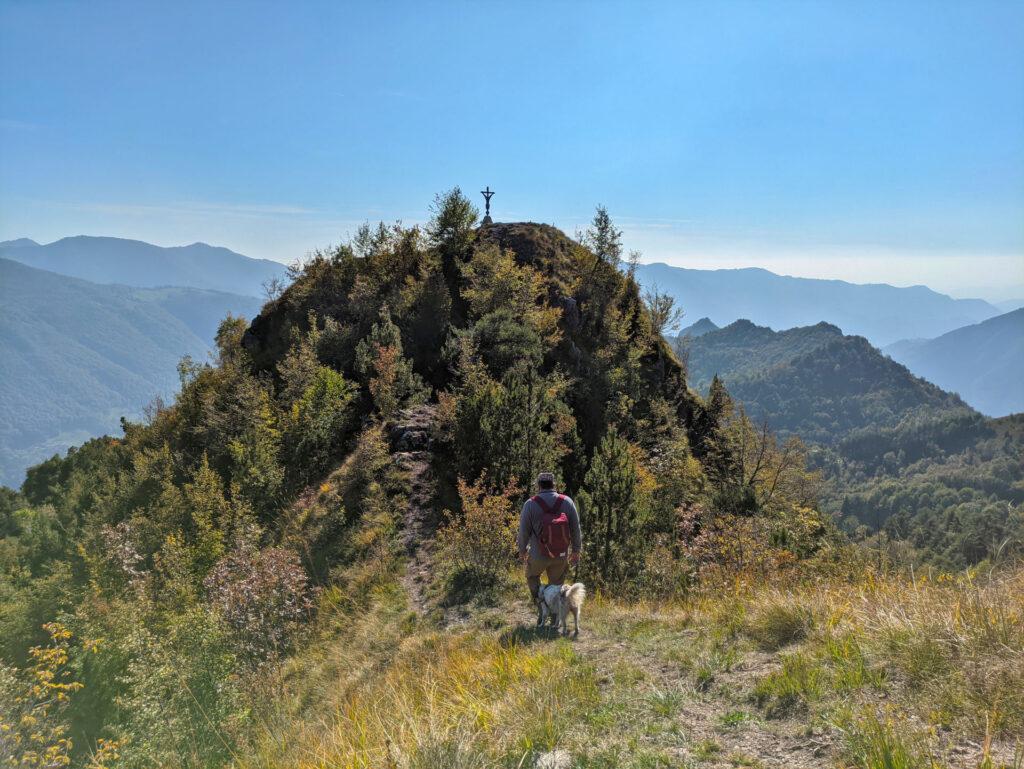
779,621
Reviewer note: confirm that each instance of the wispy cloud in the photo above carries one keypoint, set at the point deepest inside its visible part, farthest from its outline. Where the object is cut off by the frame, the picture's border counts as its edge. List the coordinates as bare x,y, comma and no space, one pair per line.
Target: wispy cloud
10,124
196,208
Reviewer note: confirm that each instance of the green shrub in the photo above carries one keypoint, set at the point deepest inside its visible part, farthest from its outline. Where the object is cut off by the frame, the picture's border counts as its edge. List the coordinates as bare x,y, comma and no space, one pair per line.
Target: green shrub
478,544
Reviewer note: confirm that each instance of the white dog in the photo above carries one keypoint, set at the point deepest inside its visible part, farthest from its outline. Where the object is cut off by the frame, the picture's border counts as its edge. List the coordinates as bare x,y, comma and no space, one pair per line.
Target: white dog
556,601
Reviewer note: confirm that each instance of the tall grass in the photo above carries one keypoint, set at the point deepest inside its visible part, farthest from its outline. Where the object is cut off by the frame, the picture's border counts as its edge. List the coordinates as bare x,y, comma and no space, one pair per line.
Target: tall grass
383,688
428,699
875,743
954,645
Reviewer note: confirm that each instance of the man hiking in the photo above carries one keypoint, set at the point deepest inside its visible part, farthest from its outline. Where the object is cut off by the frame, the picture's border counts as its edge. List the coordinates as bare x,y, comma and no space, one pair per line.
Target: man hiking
549,536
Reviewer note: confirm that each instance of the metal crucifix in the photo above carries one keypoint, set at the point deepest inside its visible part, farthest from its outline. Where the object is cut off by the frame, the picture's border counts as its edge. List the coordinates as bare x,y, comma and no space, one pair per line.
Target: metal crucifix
487,193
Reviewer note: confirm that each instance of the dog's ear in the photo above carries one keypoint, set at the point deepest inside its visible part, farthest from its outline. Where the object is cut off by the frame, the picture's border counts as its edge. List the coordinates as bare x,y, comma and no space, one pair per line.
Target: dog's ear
564,590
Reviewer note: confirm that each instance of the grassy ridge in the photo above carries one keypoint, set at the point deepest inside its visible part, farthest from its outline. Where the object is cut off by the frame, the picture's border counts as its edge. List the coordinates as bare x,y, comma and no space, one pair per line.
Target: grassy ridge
875,672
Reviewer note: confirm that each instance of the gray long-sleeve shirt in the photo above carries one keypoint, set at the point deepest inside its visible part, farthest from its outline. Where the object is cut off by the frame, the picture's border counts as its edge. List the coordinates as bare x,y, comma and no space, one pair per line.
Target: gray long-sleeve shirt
530,523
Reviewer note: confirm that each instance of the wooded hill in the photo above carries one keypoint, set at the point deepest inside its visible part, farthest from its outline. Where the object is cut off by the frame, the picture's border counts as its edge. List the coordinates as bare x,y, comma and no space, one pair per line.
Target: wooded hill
270,471
900,454
813,381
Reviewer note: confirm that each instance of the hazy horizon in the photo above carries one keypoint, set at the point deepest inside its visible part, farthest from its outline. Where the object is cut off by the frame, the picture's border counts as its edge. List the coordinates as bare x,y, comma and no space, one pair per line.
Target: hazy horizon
867,142
792,267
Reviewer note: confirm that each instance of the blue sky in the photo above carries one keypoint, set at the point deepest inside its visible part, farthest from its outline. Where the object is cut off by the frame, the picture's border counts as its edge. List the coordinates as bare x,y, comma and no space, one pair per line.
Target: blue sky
866,141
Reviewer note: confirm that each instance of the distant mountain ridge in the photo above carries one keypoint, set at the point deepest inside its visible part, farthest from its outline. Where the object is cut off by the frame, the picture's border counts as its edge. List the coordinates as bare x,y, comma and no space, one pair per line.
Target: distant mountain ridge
811,381
983,362
75,356
880,312
140,264
701,327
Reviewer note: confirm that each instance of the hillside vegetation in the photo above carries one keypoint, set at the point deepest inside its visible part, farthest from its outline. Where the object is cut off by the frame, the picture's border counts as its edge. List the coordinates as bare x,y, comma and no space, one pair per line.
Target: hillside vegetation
899,455
307,560
78,356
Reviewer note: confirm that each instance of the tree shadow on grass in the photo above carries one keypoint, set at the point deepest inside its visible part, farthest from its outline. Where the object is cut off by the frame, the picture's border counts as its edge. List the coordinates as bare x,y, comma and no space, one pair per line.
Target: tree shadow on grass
525,635
468,587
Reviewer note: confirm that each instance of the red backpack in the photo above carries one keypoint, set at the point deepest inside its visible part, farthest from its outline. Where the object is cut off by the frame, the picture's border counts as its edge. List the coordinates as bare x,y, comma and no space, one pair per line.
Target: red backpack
554,536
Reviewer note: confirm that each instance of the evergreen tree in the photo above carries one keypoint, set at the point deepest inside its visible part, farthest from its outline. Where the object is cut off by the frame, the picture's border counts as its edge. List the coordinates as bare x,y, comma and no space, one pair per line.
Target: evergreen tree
603,239
318,426
370,241
613,513
514,325
301,365
508,431
707,422
387,373
256,467
211,517
451,225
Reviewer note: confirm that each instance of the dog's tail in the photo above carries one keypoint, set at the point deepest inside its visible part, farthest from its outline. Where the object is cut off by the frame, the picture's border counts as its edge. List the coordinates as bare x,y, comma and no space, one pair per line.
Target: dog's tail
575,595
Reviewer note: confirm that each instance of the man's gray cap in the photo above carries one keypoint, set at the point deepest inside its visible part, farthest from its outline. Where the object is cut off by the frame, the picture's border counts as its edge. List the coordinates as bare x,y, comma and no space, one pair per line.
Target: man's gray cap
545,478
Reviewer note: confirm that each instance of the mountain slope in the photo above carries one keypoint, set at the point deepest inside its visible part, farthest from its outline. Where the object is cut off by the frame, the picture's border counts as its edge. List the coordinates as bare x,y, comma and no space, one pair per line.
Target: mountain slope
898,453
984,362
813,381
77,355
882,313
135,263
309,520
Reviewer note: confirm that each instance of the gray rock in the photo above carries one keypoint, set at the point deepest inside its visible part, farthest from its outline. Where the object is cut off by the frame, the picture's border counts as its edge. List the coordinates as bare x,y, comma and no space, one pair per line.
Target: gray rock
405,438
412,429
570,313
556,759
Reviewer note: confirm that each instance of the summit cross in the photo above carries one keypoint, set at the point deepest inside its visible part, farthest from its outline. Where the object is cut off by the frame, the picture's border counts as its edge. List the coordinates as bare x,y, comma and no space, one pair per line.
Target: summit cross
487,193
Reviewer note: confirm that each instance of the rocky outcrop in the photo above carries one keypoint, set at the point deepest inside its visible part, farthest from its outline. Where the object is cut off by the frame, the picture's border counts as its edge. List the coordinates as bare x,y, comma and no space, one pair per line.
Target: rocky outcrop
412,430
571,317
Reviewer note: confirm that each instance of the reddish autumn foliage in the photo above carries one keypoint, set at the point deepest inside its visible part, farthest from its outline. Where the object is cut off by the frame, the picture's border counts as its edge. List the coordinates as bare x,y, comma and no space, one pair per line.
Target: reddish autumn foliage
263,596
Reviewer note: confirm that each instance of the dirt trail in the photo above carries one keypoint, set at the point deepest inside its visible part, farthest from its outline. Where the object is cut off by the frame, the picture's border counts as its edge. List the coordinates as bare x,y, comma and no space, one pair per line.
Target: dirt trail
715,726
706,736
411,442
756,742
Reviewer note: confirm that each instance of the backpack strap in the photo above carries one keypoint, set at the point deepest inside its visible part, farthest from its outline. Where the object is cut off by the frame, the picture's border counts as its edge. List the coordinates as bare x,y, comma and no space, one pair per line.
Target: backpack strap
545,508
